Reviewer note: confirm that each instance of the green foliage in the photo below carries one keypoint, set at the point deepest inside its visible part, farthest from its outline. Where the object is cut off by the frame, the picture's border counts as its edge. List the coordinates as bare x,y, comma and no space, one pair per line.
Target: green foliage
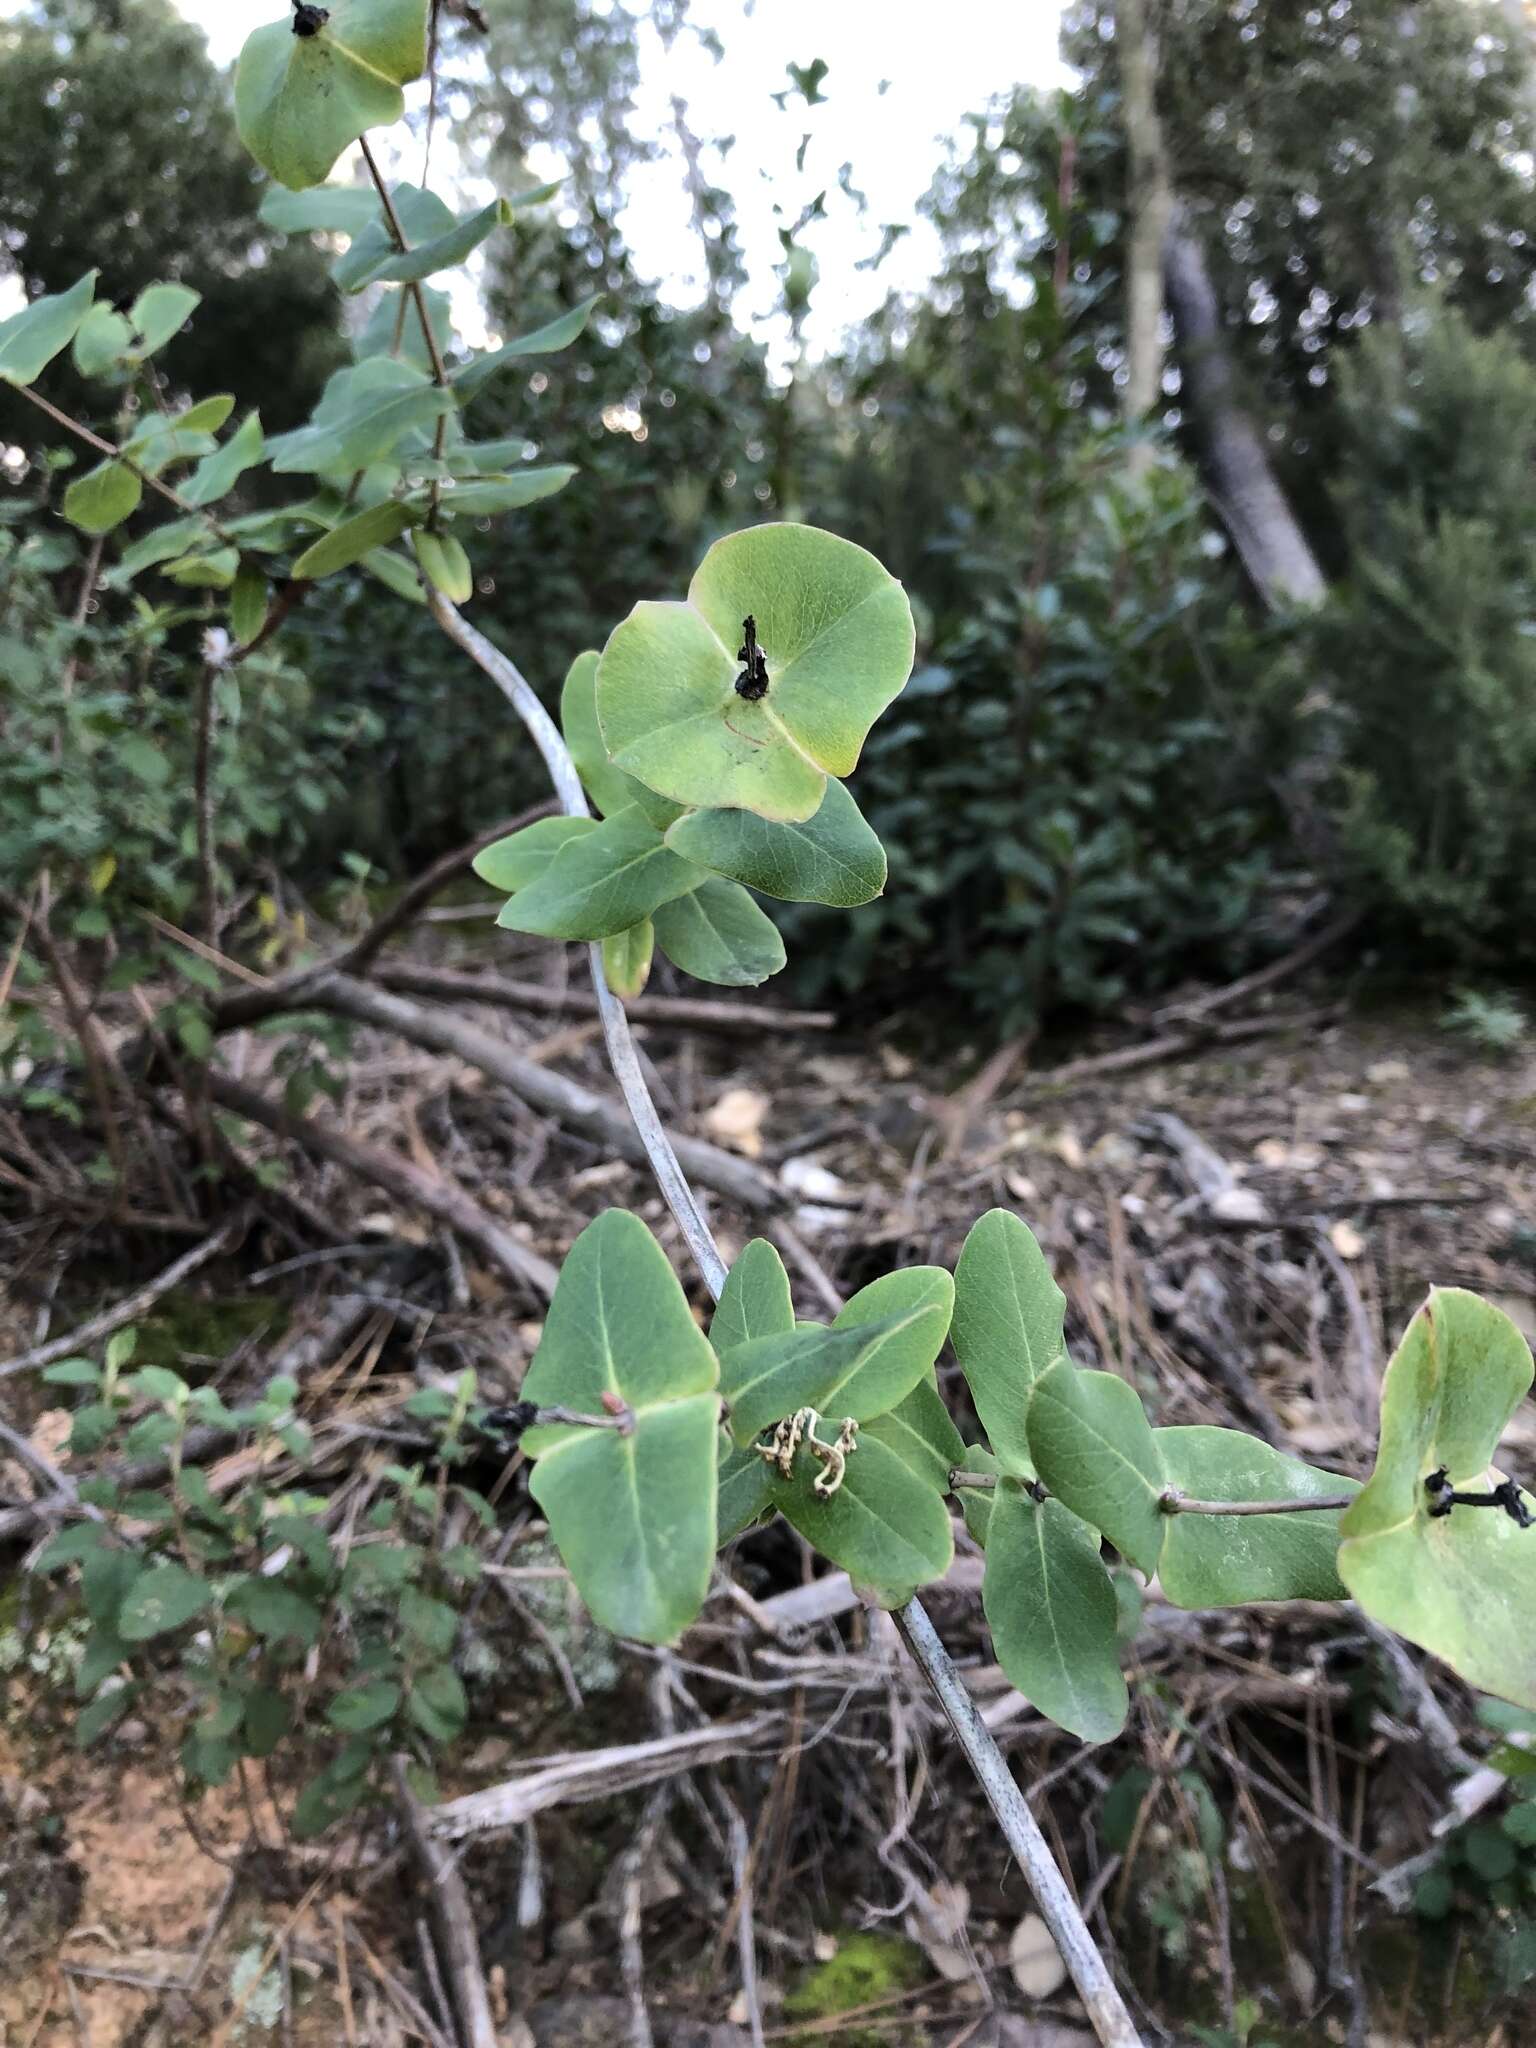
310,84
1051,1609
1211,1561
1008,1328
1092,1445
1438,428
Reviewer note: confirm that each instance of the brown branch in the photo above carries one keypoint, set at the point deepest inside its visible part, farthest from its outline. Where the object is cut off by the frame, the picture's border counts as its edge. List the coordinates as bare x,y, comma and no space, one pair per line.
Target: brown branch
130,1307
1151,1052
1263,979
268,998
686,1012
577,1108
455,1920
435,1194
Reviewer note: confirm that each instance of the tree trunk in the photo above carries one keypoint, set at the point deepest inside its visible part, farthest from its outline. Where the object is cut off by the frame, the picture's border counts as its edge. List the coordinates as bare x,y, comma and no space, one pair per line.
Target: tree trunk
1149,204
1238,475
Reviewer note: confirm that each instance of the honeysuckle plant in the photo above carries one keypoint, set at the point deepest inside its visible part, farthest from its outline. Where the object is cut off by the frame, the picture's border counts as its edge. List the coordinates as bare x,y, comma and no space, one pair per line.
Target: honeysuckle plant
712,736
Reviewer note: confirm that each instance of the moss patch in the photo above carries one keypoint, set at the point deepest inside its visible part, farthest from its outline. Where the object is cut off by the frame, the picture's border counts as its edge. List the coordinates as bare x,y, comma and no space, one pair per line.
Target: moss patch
185,1326
866,1968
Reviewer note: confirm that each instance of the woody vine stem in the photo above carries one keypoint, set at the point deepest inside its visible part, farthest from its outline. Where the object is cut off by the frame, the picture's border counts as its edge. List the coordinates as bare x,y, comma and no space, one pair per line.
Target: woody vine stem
1059,1909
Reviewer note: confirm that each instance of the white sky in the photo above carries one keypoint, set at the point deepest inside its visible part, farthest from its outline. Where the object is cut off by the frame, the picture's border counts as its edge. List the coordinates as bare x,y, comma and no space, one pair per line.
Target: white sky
941,63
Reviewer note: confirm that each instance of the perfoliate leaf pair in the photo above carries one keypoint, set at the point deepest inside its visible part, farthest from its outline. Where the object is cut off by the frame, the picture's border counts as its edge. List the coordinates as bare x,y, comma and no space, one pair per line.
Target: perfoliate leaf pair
835,631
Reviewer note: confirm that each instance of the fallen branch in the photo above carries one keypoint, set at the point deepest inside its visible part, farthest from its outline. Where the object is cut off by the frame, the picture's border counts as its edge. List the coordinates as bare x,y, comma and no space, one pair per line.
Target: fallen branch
577,1108
1178,1045
455,1921
691,1013
131,1307
283,993
598,1774
1262,980
434,1193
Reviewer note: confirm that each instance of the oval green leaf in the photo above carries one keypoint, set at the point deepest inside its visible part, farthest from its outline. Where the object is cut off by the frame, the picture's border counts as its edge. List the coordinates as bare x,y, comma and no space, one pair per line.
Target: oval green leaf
354,538
601,882
543,341
30,339
832,857
885,1525
1051,1609
445,565
1093,1446
1222,1561
755,1300
717,933
482,497
159,1600
103,498
1007,1328
364,413
219,472
299,100
859,1369
512,863
920,1430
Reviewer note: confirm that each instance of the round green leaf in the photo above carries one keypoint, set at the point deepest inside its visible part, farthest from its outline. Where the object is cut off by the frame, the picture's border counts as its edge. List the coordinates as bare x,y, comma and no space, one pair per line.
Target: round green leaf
363,1707
717,933
354,538
832,857
1007,1328
248,605
103,498
610,789
159,1600
1052,1612
1461,1585
437,1702
755,1300
275,1611
300,99
885,1525
101,340
1093,1447
836,632
627,958
1228,1561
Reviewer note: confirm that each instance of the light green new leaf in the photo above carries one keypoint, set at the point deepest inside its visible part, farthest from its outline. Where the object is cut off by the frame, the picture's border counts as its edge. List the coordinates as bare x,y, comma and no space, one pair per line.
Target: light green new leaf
396,574
248,605
627,958
1007,1328
1222,1561
832,857
921,1432
1092,1445
102,339
547,340
1051,1609
322,209
885,1525
159,441
444,252
300,99
208,415
354,538
159,1600
160,311
609,787
31,339
717,933
632,1515
445,565
755,1300
602,882
1461,1585
219,472
858,1370
836,632
512,863
365,412
103,498
213,571
482,497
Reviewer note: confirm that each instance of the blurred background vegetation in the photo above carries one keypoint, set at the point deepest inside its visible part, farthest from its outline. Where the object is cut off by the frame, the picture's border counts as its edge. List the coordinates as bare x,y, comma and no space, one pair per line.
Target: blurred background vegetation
1133,750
